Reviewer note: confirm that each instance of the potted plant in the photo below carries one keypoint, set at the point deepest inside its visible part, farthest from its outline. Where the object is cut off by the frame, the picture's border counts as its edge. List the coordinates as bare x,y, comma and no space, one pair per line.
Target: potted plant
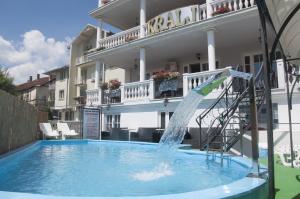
104,86
130,38
164,75
166,82
221,10
114,84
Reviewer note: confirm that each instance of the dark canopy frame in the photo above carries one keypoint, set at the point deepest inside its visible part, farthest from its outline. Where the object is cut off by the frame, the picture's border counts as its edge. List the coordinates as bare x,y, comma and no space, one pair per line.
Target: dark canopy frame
266,18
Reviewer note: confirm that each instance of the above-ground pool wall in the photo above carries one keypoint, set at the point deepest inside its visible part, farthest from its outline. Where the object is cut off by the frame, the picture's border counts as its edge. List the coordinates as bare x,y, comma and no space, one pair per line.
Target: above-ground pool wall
18,123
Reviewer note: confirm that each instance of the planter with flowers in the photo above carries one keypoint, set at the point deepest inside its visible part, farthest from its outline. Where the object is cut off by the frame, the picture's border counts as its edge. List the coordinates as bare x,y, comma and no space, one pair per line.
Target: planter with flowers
166,81
111,91
130,38
221,10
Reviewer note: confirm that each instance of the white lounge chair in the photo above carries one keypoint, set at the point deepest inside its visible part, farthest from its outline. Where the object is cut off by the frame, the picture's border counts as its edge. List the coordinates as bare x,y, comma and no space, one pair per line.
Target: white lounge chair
65,130
48,131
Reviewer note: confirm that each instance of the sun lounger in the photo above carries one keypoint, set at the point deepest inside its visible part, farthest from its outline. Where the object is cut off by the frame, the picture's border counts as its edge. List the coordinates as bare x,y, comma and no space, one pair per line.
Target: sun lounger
48,132
65,130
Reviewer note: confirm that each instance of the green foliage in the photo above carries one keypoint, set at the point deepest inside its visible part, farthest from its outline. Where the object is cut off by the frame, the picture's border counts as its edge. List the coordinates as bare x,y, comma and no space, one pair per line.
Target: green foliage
6,82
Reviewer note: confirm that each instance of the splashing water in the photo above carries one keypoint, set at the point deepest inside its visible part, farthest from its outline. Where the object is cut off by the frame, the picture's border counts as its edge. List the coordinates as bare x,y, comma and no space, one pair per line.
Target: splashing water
174,134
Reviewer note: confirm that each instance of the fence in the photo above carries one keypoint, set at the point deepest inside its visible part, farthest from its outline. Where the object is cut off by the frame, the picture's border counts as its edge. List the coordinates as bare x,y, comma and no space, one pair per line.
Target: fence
18,123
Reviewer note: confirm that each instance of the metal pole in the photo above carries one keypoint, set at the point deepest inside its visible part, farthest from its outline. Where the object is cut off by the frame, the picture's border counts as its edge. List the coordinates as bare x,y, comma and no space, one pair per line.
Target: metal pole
262,13
254,129
289,110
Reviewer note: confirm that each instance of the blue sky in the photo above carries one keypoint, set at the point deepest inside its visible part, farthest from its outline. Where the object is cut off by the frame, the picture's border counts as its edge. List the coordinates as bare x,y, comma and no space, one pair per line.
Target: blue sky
54,18
35,34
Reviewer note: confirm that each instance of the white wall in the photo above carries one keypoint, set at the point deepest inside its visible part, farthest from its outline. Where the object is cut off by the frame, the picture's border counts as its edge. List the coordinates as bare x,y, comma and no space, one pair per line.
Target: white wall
61,85
115,73
141,119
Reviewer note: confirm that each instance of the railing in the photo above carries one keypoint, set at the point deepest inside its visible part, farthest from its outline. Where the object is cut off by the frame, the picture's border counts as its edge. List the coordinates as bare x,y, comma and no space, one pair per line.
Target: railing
120,38
137,91
218,7
81,60
93,97
223,6
202,12
193,80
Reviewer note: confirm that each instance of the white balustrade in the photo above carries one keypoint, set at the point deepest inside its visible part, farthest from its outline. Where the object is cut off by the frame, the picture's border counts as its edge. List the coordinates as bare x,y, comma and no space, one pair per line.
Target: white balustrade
137,91
202,12
193,80
81,60
120,38
231,5
93,97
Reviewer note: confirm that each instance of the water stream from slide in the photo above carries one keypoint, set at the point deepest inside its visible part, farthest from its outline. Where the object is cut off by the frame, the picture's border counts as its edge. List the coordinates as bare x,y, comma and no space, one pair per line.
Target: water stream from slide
176,129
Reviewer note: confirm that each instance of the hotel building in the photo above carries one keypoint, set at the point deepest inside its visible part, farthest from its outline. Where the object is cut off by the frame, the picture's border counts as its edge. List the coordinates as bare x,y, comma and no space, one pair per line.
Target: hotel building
195,38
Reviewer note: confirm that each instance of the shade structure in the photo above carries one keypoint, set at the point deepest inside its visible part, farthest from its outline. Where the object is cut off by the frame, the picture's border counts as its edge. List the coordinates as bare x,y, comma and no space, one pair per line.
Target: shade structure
285,17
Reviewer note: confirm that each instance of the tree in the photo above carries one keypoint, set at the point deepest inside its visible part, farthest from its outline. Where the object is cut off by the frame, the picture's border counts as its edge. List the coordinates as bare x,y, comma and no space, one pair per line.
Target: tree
6,82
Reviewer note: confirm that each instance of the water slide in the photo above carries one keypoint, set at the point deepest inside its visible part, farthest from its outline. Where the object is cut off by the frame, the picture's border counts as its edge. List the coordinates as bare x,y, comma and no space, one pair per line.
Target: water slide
174,133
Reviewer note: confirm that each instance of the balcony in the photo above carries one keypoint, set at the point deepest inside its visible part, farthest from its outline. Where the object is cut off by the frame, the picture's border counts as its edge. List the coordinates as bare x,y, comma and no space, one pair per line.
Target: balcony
82,60
196,14
147,91
120,38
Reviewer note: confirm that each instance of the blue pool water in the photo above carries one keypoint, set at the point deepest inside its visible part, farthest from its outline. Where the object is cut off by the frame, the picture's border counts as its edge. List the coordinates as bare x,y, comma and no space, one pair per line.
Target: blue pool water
83,168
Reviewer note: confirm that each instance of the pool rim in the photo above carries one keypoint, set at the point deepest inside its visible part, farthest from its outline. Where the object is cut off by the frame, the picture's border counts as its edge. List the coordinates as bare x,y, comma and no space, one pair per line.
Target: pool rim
236,188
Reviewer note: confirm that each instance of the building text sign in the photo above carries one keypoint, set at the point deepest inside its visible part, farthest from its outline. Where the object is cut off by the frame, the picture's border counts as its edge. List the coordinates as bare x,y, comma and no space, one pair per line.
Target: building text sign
91,123
174,18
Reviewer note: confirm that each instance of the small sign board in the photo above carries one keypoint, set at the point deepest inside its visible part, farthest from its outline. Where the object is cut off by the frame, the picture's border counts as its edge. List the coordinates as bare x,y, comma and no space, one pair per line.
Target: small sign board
91,123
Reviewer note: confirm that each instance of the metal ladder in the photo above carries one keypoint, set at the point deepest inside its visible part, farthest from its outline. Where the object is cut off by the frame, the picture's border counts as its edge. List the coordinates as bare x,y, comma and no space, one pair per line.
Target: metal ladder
228,126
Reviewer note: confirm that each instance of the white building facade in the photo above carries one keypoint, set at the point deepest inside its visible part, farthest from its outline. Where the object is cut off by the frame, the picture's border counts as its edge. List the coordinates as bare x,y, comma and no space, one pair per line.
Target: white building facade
195,38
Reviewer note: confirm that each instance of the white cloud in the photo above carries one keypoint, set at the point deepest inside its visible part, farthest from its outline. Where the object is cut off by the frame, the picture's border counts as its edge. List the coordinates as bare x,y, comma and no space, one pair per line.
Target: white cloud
35,54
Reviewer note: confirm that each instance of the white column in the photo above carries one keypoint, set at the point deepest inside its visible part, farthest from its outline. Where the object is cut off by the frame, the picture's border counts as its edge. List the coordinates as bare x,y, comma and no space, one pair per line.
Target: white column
103,72
142,18
97,73
211,50
209,10
99,3
99,33
280,74
142,64
78,80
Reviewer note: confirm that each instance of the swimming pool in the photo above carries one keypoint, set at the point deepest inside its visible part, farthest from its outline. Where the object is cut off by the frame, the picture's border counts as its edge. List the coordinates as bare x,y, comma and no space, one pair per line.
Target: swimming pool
54,169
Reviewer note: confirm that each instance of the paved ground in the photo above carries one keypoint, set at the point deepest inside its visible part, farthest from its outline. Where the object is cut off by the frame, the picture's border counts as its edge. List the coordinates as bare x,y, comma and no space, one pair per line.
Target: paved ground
287,180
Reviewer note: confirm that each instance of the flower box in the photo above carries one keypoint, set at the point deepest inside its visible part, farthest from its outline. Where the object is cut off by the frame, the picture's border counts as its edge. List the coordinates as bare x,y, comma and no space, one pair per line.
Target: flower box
130,38
163,75
221,10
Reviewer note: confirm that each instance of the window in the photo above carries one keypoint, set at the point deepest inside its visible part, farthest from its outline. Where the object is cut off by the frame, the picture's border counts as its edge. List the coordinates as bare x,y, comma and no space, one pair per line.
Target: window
109,122
195,68
275,115
62,75
247,64
117,121
186,69
258,60
162,120
61,95
83,76
205,67
26,97
170,115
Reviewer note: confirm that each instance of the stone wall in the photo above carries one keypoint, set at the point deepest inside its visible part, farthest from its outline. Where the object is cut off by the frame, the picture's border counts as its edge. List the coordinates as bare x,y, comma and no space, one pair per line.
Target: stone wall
18,123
